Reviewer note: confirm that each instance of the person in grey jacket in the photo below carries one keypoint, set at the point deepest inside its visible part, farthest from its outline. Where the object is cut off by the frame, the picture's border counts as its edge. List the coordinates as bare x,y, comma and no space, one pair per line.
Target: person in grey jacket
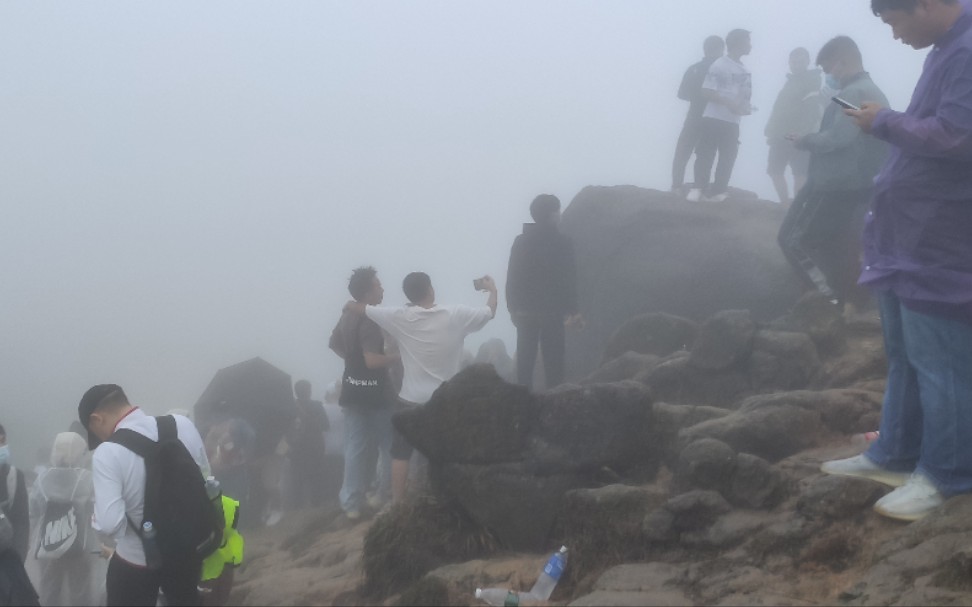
820,235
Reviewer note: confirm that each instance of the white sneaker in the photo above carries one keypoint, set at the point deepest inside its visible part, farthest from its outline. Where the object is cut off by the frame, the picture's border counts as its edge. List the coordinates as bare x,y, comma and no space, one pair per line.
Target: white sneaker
861,466
375,502
912,501
717,198
694,195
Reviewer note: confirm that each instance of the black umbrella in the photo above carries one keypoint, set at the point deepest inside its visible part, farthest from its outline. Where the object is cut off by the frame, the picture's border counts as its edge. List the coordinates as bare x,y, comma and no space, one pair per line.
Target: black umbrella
254,391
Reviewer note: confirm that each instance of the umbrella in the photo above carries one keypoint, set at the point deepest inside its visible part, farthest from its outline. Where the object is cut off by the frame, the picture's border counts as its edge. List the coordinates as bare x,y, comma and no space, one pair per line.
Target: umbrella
254,391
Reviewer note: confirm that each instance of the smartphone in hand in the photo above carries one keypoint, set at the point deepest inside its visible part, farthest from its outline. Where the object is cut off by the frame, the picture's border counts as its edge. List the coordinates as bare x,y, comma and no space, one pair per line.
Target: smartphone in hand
847,105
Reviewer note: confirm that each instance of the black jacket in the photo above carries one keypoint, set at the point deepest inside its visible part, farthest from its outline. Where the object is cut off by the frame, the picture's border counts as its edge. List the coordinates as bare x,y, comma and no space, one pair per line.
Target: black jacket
19,511
542,278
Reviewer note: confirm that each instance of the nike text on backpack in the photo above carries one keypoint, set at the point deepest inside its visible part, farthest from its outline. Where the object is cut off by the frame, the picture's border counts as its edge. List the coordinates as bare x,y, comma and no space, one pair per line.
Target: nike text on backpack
60,533
183,518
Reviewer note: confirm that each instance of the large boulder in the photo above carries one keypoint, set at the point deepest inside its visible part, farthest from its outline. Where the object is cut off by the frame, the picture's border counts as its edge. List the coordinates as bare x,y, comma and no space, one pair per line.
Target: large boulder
629,365
602,526
771,432
654,333
589,427
782,361
509,500
475,418
724,340
642,250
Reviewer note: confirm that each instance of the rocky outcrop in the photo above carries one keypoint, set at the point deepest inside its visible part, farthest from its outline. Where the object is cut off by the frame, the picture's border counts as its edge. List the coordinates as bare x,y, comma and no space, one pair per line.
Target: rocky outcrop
641,251
507,457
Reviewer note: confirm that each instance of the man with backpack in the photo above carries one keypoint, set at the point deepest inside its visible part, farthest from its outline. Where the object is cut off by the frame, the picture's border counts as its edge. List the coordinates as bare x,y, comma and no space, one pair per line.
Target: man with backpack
150,497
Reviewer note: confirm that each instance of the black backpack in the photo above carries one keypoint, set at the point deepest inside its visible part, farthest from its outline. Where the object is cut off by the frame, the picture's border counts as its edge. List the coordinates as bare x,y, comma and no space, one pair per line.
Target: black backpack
176,503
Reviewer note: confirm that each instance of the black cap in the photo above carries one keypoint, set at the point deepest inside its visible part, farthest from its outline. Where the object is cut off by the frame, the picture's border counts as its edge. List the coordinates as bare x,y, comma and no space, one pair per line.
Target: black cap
90,401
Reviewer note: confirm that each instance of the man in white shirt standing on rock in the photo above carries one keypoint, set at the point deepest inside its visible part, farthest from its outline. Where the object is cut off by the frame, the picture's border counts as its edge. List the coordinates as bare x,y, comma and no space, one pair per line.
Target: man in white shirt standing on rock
729,89
119,488
430,338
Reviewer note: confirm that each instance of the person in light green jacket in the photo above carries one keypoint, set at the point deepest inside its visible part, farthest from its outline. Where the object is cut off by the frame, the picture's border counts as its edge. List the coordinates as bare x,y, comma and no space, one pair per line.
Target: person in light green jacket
821,233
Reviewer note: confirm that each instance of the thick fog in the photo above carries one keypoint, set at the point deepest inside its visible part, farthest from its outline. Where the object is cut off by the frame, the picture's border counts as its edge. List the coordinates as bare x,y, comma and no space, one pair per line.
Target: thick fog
187,185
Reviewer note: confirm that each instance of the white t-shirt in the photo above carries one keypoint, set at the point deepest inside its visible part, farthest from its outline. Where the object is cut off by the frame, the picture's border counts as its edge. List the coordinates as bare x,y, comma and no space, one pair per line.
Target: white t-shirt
732,81
430,341
119,481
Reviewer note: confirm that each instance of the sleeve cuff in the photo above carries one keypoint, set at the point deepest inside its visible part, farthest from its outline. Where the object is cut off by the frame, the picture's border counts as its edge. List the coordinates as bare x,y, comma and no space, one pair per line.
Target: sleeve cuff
879,128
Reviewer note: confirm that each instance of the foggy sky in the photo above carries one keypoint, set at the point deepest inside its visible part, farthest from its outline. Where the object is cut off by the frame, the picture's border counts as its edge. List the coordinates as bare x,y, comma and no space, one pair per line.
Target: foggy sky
186,185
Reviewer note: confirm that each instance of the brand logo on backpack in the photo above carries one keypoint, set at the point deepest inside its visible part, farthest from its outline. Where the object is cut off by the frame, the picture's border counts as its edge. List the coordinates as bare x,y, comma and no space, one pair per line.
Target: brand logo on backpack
59,531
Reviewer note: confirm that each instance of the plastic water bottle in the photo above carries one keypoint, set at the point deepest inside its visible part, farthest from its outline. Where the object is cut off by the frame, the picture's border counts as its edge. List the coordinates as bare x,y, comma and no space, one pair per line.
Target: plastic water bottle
215,494
865,438
213,490
153,558
550,575
498,597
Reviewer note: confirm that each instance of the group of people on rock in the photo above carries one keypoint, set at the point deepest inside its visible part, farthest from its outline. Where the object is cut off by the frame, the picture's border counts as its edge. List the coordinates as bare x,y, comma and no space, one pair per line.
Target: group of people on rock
423,341
165,525
884,202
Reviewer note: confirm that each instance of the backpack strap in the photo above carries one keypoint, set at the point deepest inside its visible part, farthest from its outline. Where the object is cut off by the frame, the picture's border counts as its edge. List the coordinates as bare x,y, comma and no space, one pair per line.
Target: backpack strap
139,444
11,486
168,431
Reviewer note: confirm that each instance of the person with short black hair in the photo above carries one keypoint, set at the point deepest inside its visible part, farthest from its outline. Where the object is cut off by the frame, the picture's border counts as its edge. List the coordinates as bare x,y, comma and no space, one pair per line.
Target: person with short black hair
918,260
366,397
541,292
728,88
691,90
430,339
119,488
821,233
13,498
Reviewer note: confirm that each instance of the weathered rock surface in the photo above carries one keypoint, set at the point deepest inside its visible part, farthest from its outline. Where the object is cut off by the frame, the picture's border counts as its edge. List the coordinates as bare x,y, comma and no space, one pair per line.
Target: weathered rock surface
626,366
725,340
476,418
654,333
642,251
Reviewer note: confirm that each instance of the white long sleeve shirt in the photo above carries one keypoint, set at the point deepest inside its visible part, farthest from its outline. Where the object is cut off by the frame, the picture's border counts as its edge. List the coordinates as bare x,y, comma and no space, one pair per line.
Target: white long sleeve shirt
119,481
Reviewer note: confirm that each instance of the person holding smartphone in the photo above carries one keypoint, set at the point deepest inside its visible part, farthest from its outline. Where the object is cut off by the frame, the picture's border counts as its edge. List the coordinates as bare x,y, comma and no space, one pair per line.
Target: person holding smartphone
918,260
430,340
820,235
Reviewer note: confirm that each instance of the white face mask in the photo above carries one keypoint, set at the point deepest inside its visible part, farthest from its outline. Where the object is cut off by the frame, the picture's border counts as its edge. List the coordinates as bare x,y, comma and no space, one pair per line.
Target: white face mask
4,454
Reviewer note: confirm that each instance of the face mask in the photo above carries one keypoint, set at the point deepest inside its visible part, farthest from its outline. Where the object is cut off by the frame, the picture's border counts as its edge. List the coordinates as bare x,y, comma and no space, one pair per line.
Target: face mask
832,82
4,454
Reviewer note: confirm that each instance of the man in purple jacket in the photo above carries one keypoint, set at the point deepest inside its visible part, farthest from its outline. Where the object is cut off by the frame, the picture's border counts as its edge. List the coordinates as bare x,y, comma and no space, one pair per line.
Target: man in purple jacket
918,259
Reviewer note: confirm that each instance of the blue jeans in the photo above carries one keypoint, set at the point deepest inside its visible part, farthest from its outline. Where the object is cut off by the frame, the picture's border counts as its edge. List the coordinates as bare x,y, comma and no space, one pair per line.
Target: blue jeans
926,419
366,429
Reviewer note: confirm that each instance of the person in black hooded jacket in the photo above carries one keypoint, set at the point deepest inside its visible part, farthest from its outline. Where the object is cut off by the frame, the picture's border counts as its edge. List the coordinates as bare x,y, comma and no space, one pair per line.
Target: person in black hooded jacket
541,292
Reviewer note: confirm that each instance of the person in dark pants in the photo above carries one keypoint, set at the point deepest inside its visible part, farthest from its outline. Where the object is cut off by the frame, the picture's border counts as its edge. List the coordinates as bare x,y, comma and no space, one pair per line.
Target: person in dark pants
541,292
820,235
15,586
120,487
917,257
728,87
306,440
691,90
15,505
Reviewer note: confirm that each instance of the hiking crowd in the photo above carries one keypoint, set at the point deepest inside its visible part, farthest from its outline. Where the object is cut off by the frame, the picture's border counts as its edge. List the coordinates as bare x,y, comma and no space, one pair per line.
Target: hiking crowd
163,504
883,203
